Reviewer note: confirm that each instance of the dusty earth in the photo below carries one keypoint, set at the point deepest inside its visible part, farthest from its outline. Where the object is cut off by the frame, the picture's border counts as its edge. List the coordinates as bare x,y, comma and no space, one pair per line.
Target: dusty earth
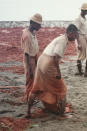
12,87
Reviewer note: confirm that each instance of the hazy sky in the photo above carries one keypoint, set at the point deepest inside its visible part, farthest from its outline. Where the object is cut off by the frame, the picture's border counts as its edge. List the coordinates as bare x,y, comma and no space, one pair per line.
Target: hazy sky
18,10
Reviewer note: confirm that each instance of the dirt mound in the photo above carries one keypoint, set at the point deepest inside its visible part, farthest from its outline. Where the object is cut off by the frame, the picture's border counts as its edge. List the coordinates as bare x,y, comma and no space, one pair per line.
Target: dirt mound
7,124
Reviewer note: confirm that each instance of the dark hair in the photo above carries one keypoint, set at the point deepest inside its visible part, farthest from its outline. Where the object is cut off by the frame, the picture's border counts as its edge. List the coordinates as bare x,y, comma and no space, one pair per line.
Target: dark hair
32,22
71,28
84,10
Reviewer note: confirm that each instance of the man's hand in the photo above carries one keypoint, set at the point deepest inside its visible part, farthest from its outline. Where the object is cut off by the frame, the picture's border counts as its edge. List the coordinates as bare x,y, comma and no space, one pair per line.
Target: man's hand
79,47
36,60
31,73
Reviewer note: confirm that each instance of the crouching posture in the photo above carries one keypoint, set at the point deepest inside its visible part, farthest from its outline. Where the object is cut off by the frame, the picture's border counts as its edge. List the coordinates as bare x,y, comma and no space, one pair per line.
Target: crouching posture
48,85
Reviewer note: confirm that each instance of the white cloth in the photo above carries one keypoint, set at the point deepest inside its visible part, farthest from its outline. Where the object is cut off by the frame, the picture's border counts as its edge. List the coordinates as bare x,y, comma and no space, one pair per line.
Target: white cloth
81,24
57,46
29,43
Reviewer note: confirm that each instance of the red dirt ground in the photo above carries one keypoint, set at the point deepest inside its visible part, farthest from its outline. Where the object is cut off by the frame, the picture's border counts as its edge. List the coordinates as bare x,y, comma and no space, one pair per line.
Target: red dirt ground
10,46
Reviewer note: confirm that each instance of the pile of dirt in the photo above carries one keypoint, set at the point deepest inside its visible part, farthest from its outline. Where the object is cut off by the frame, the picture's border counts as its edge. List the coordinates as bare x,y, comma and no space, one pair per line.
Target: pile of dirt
11,124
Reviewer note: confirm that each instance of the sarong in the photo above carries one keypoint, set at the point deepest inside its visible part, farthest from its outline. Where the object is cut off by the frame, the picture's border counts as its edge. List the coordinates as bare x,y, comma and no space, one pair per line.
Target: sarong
51,91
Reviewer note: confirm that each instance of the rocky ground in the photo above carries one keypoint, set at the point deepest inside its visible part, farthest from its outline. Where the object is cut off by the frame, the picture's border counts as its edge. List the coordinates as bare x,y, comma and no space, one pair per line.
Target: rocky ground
12,87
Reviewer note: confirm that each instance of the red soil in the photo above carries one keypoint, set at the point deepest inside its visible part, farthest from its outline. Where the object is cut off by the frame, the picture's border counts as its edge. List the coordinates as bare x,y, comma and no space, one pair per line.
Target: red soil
10,44
7,124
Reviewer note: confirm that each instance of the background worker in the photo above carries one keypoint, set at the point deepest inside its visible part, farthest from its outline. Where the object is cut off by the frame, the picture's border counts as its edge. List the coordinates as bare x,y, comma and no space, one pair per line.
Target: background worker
30,49
81,23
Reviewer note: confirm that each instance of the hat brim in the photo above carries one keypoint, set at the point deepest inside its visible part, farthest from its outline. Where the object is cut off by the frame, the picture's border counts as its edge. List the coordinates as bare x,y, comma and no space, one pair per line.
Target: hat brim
83,8
38,22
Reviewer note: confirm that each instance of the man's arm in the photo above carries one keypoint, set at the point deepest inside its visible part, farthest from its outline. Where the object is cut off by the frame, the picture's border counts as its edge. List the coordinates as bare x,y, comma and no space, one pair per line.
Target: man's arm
56,61
36,60
78,24
29,66
78,41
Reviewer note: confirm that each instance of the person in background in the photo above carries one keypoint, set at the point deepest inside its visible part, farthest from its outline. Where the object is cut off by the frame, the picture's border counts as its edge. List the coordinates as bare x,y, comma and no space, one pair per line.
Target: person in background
48,85
29,45
81,24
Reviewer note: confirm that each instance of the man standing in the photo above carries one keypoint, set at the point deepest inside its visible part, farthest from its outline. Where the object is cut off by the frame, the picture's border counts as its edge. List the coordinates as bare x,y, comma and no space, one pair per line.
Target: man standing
48,85
30,49
81,23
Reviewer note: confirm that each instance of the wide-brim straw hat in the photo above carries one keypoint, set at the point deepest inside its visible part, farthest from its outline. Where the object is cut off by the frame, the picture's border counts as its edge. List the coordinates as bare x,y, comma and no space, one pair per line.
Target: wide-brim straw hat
37,18
84,6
